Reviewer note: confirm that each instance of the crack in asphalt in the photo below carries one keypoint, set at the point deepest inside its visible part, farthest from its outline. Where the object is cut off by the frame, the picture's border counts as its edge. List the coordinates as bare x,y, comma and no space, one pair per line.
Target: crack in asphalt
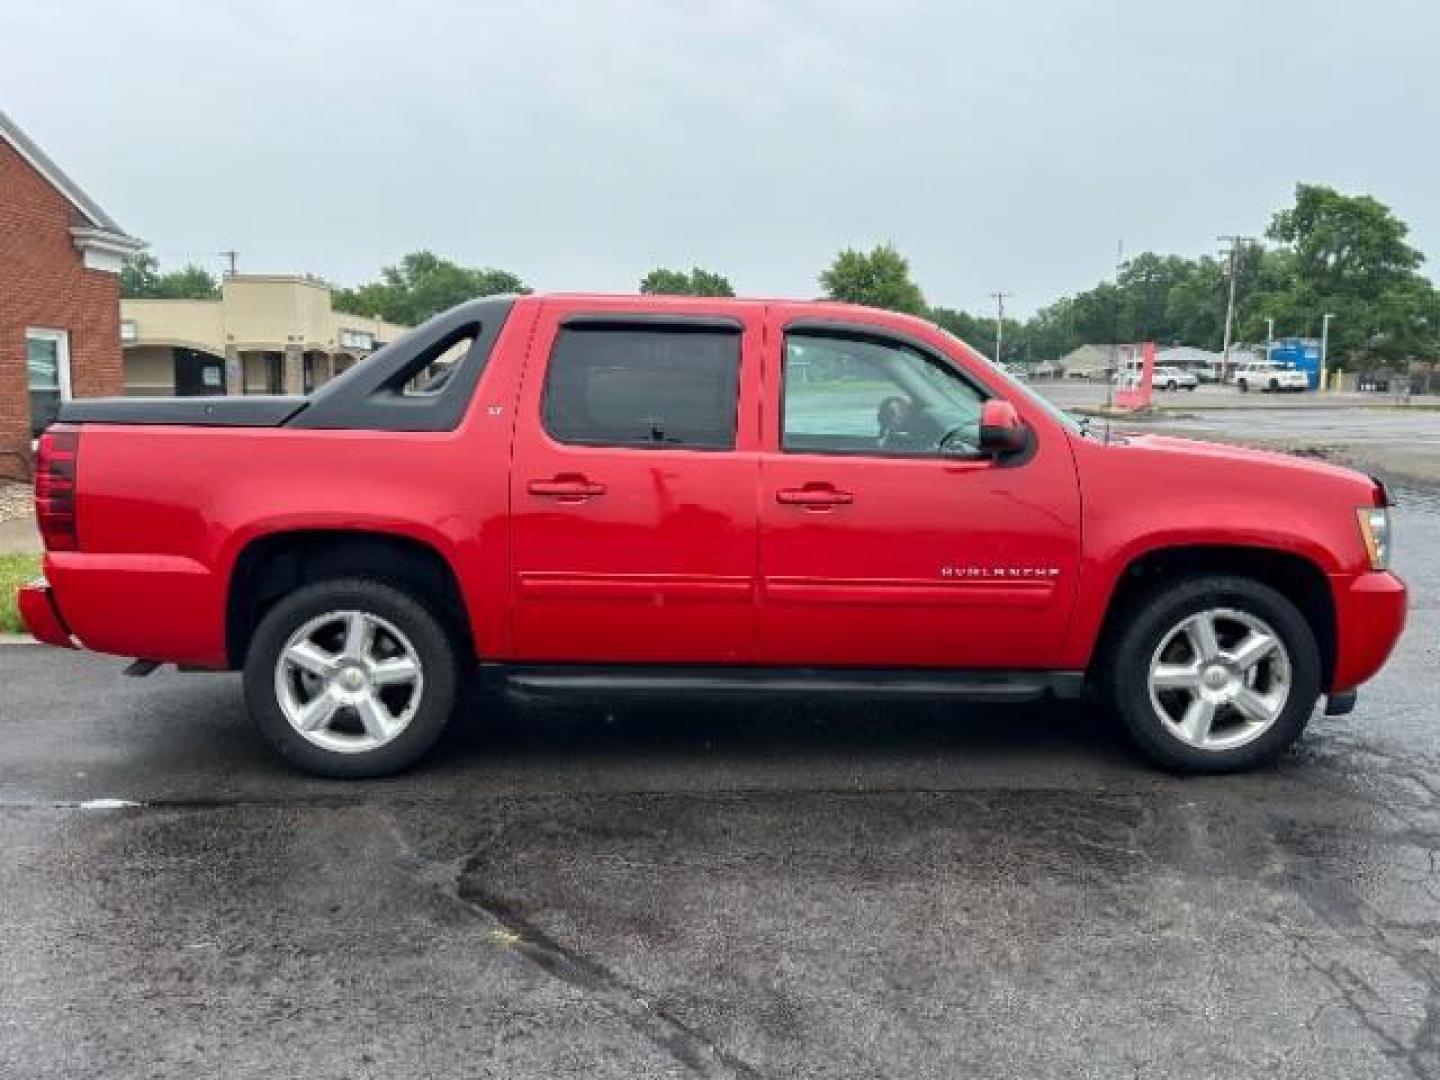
649,1019
1351,918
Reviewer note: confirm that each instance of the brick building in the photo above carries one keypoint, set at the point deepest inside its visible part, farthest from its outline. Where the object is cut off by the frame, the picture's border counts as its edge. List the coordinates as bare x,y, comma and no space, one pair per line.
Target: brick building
60,258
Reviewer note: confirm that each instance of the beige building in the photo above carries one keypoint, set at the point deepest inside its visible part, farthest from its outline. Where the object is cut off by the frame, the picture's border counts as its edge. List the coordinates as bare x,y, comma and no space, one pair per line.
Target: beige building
267,334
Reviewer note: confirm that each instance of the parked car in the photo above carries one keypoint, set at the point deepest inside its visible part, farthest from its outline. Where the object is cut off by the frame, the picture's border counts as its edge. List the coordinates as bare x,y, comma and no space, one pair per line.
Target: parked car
1269,378
697,496
1174,378
1163,378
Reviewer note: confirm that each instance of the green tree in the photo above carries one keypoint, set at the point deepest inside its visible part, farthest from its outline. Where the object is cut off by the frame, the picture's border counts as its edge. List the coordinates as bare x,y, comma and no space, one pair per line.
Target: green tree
141,279
971,329
665,282
978,331
1088,318
879,278
1348,256
138,276
1147,287
422,285
1345,243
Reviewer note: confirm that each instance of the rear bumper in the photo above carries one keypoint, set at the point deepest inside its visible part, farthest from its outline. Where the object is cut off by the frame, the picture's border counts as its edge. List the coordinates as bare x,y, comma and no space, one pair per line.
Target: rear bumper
161,607
41,616
1369,617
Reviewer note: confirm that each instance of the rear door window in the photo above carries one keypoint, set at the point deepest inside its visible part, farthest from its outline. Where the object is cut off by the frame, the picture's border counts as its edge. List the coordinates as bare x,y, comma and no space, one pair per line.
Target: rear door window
648,387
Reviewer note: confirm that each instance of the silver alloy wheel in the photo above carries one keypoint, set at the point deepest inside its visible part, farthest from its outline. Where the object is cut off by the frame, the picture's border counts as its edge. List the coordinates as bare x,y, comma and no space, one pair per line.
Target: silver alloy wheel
1219,679
349,681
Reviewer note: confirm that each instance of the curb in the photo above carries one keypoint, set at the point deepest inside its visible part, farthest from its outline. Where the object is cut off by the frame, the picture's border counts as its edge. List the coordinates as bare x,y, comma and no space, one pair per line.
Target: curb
17,639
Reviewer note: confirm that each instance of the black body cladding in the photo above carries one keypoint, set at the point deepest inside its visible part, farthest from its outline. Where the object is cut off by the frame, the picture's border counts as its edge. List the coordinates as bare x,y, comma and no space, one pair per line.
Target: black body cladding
371,395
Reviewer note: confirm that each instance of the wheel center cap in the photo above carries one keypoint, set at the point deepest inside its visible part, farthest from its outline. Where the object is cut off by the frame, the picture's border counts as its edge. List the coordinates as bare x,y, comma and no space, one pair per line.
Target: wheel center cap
1217,678
352,679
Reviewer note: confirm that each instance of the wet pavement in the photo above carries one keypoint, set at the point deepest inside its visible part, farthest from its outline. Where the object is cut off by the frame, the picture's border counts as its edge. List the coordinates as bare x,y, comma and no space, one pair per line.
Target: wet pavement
698,890
1407,430
1081,394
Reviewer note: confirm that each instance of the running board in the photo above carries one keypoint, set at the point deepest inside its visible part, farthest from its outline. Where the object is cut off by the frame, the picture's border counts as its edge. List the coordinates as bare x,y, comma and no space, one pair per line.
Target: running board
992,686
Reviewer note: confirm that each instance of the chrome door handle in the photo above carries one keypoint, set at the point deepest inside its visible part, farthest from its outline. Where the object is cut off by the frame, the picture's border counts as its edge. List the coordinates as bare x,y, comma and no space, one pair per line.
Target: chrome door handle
815,495
566,488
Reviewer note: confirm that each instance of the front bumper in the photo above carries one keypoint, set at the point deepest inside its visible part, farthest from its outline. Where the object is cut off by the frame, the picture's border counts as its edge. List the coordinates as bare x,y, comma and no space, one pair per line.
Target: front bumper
41,616
1369,617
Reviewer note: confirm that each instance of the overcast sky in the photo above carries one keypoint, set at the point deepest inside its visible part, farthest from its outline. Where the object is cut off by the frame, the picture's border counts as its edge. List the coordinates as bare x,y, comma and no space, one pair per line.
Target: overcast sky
999,145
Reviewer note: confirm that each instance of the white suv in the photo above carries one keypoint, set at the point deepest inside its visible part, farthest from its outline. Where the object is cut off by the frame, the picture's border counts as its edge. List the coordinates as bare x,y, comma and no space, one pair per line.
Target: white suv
1271,377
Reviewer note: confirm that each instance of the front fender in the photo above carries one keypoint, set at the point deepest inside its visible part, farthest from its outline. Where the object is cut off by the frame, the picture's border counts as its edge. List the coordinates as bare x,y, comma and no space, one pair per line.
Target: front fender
1145,495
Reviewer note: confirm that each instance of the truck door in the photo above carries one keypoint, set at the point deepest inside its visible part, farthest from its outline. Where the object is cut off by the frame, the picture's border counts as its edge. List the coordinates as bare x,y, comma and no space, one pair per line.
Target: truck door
885,540
633,484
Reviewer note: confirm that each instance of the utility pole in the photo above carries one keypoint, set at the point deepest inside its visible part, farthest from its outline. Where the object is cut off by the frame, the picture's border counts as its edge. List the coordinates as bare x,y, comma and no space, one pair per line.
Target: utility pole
1234,254
1269,337
999,321
231,256
1325,350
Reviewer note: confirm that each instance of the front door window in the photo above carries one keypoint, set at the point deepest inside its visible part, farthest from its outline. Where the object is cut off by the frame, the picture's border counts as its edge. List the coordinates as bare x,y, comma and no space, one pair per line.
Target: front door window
847,394
47,366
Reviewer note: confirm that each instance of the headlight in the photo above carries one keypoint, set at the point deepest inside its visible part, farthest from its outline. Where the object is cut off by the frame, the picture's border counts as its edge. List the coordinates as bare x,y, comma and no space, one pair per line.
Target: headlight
1375,531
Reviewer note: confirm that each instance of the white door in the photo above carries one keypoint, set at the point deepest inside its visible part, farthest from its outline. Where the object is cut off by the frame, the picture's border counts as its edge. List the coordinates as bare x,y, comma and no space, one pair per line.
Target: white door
47,365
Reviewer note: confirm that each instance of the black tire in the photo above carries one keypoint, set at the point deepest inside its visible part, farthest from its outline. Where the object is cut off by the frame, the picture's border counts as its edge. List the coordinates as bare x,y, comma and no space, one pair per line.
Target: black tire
1192,387
1274,386
1125,670
435,648
1243,385
1172,385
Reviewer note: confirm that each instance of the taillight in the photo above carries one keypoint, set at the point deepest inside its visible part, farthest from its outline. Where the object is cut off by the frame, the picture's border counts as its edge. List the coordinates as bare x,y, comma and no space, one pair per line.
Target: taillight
55,462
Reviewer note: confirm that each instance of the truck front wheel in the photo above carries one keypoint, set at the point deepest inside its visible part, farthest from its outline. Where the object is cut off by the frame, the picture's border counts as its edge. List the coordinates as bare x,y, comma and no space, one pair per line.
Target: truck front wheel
350,678
1214,674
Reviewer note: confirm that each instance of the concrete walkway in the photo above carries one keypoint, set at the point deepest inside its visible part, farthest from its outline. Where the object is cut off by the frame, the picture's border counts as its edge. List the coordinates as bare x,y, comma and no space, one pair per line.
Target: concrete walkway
19,536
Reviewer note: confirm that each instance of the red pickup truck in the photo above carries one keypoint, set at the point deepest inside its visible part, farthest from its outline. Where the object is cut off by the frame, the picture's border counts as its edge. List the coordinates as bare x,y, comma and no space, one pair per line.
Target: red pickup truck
695,495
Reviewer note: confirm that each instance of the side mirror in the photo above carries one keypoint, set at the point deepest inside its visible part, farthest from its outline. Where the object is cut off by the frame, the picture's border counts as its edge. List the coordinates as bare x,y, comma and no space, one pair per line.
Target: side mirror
1002,432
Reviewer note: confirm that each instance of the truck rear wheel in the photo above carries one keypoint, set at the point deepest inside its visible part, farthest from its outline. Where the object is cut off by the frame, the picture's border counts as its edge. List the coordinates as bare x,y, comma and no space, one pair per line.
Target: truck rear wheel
1214,674
350,678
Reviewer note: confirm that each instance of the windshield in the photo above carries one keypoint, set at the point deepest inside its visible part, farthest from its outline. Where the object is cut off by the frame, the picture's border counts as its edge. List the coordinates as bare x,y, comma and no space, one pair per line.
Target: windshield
1017,389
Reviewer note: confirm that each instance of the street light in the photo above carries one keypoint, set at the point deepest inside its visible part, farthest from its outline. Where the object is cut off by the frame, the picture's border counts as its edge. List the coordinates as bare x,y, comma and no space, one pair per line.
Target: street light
1325,350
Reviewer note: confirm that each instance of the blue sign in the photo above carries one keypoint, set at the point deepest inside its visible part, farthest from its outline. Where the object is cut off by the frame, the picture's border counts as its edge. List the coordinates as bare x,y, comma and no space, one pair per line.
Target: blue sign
1302,353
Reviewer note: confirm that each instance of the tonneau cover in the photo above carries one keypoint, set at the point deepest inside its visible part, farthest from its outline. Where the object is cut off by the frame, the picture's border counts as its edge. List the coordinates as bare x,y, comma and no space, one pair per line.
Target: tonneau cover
249,411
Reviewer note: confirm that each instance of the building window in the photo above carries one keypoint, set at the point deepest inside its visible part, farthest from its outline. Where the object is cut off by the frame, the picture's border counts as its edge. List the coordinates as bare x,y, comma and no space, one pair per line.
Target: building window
654,388
129,333
47,365
262,372
357,339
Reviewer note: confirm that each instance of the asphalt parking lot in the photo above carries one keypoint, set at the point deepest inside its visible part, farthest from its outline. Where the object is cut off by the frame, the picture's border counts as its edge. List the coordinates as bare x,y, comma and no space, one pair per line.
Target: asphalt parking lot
1084,393
705,890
